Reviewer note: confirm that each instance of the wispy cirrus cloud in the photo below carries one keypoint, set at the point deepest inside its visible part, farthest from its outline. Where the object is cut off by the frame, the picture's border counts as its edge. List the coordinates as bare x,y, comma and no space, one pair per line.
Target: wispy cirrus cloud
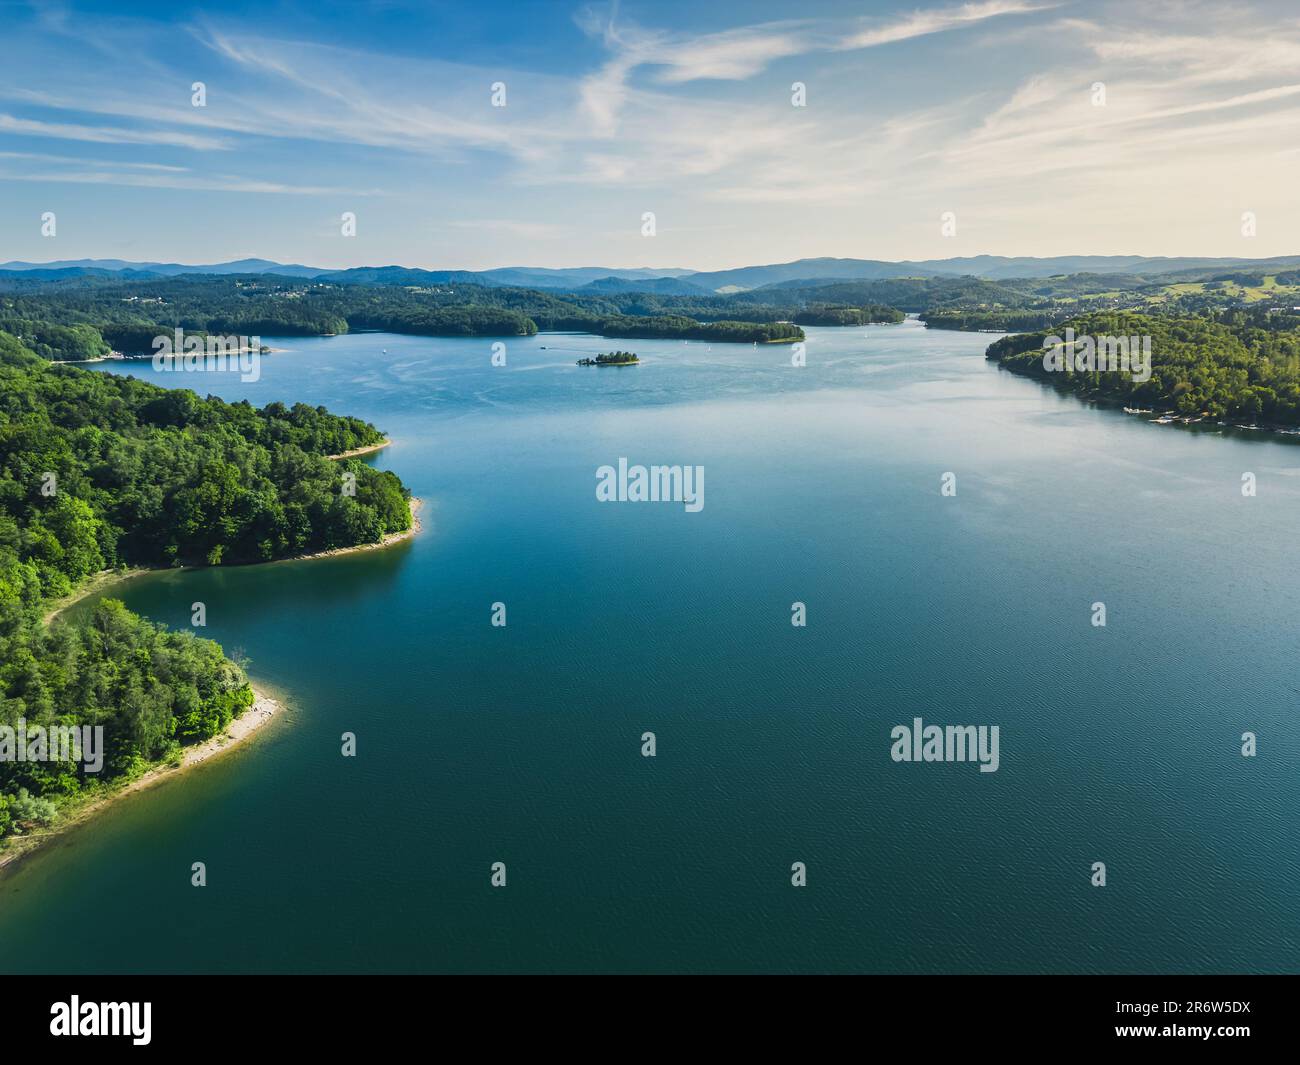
110,134
735,55
72,160
939,20
78,171
744,52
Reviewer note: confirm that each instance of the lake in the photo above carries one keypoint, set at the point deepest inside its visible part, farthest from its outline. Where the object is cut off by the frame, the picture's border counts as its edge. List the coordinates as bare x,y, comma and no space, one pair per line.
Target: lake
522,744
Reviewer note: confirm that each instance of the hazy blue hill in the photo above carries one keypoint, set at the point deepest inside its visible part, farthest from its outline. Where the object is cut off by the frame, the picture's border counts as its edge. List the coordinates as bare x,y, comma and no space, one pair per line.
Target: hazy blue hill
597,280
401,275
62,273
667,286
572,277
988,267
97,266
747,277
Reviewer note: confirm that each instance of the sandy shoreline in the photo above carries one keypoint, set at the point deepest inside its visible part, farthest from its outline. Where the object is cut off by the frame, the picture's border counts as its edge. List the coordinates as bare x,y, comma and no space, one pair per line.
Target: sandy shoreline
257,716
369,449
117,356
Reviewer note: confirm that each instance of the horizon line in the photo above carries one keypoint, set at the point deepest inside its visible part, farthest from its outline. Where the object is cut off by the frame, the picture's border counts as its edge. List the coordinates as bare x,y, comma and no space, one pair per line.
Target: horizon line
16,265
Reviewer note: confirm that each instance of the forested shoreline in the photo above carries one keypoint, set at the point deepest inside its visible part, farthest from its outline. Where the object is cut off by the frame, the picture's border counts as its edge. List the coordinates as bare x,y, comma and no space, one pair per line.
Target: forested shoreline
99,472
1232,365
87,318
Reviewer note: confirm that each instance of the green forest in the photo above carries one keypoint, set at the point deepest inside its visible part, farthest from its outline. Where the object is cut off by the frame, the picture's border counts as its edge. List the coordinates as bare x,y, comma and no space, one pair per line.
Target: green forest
99,472
1233,364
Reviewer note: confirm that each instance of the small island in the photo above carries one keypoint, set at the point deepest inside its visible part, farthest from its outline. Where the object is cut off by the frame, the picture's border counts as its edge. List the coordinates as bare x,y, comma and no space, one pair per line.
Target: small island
612,358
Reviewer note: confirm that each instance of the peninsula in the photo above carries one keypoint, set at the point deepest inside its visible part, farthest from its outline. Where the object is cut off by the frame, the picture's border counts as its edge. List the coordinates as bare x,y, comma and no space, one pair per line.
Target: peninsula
171,480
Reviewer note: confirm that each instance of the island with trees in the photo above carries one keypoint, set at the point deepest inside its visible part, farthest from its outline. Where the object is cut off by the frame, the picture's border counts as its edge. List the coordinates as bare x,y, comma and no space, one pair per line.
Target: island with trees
611,358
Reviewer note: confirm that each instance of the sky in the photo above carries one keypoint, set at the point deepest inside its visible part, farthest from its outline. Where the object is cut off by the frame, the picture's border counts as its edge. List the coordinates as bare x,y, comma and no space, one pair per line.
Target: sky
927,130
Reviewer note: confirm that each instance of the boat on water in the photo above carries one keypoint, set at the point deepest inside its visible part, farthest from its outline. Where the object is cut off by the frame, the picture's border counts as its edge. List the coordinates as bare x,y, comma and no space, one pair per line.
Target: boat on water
1138,410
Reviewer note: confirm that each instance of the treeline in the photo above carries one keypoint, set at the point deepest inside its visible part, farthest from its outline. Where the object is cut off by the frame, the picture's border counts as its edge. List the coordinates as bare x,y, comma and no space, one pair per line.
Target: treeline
126,315
99,471
676,327
1001,320
1222,369
445,322
909,294
761,305
829,314
57,342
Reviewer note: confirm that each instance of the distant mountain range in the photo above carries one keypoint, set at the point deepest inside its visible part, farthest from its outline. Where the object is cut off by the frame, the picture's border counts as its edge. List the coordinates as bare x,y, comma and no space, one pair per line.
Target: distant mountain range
665,281
71,267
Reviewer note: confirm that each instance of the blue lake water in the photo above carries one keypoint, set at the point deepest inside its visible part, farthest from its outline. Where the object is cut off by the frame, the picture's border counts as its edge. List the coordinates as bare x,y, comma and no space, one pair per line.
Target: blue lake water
522,744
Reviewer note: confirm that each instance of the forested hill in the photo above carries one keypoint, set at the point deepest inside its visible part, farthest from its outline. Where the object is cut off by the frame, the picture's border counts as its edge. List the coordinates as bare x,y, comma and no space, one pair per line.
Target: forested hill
97,471
1234,364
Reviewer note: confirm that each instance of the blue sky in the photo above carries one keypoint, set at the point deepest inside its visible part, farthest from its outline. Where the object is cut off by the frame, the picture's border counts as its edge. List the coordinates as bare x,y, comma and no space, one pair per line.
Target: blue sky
986,109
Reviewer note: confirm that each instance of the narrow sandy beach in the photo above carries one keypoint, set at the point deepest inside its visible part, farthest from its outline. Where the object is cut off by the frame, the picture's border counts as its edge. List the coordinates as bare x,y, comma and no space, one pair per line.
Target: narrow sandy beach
257,716
367,450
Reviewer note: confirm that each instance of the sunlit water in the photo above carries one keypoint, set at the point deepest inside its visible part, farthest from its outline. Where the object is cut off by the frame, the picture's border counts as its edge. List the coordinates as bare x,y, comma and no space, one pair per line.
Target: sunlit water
522,744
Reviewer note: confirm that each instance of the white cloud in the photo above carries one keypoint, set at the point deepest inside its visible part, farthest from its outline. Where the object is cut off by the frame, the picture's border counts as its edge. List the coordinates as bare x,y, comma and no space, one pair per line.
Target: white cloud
924,23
